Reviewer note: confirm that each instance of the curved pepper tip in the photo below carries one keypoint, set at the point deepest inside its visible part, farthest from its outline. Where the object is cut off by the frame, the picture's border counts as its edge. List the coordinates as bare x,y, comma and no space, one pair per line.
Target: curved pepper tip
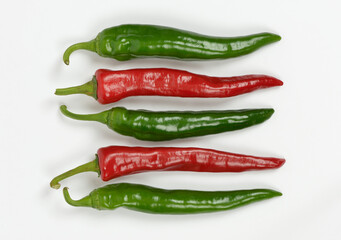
66,56
63,108
66,60
84,202
67,196
91,46
67,53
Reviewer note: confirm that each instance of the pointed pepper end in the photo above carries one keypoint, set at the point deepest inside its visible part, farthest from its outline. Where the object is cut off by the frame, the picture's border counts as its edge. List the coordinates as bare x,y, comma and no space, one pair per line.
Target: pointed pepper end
280,163
268,112
277,82
276,194
276,38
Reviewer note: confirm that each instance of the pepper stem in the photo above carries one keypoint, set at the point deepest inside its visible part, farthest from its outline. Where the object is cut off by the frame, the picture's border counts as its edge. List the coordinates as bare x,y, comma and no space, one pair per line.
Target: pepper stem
89,88
86,201
99,117
91,46
87,167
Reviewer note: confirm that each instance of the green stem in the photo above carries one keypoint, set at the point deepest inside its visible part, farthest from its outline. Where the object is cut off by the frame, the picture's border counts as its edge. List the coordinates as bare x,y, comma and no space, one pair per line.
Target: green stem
86,201
91,46
89,88
87,167
99,117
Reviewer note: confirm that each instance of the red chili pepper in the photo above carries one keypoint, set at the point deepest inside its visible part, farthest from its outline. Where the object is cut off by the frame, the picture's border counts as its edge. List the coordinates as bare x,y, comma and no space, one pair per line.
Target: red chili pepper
115,161
110,86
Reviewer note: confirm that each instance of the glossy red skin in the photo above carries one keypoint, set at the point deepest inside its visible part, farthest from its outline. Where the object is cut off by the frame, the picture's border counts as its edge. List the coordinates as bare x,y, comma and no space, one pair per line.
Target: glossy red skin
115,85
116,161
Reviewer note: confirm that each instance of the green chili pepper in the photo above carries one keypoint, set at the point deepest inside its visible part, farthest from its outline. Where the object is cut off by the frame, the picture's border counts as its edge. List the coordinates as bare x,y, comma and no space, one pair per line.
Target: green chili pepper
125,42
160,126
155,200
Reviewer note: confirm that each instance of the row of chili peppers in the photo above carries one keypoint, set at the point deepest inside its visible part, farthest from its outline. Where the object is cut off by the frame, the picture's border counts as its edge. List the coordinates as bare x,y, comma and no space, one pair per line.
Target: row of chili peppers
125,42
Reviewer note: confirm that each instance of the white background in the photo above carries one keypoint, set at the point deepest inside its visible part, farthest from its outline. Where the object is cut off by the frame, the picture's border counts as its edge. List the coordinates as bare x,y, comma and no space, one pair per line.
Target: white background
37,142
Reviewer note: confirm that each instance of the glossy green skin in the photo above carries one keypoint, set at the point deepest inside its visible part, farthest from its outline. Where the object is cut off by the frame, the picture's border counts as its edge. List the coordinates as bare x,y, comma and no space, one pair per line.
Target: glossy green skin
125,42
161,126
155,200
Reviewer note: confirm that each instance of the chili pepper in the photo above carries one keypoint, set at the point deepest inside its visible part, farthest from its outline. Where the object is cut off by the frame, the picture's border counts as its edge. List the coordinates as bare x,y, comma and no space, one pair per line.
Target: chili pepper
116,161
161,126
156,200
111,86
129,41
